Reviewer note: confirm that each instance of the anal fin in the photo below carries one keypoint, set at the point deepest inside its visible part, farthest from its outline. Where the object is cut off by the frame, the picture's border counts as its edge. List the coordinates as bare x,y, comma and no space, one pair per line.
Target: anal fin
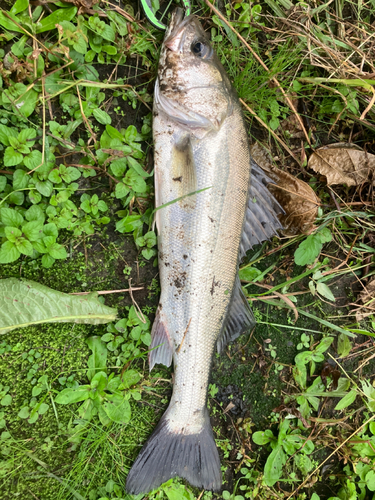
239,318
160,348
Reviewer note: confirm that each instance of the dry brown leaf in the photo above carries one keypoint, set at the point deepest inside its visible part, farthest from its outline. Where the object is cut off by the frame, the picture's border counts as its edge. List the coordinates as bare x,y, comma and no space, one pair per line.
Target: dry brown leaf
295,196
343,165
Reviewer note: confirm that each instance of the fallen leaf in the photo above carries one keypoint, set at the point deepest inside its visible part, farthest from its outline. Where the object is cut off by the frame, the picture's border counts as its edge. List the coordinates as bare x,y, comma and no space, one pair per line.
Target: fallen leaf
295,196
342,164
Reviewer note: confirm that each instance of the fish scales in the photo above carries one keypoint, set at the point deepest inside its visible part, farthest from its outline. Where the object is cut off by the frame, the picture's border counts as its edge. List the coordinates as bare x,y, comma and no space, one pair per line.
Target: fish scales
202,174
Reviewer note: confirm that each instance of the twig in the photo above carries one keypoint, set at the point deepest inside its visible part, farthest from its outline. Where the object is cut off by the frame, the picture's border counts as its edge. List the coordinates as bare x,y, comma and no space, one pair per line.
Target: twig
136,306
106,292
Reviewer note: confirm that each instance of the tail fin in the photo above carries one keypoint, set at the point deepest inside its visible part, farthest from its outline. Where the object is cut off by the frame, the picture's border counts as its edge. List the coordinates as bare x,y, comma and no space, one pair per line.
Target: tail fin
168,454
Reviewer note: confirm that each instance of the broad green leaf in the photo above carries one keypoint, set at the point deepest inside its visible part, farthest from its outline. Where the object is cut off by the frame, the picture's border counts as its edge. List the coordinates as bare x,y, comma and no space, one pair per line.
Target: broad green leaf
73,395
39,304
98,359
102,117
57,251
274,466
308,250
12,233
6,23
324,290
263,437
19,6
24,246
343,345
7,400
137,167
129,378
6,133
12,157
118,167
121,190
324,235
117,408
249,273
49,22
323,345
8,253
33,230
346,400
20,179
10,217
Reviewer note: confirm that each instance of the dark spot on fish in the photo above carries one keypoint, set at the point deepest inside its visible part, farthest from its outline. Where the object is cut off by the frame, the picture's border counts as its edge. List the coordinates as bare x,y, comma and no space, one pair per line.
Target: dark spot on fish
185,256
214,285
177,283
166,264
211,219
178,179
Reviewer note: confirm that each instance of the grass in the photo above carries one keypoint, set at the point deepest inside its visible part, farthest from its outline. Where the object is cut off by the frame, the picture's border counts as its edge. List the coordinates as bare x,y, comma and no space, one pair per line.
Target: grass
77,108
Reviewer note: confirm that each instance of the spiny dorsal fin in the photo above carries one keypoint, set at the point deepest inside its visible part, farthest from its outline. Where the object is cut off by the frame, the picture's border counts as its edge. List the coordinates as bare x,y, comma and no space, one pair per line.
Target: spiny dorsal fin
239,318
261,222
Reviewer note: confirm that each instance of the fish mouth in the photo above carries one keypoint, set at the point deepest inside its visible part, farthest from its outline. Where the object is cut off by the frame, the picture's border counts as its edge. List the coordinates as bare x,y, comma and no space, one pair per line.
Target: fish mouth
174,38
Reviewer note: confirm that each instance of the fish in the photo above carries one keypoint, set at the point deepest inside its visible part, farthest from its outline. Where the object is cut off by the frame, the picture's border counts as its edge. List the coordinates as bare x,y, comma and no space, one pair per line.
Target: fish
208,215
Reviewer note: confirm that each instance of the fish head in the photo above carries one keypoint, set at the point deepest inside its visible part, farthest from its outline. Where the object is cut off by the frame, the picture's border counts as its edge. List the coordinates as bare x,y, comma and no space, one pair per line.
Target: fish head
192,86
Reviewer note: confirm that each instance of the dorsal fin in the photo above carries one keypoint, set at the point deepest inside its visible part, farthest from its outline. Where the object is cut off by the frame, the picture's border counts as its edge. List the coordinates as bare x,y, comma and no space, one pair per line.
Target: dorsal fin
261,222
239,318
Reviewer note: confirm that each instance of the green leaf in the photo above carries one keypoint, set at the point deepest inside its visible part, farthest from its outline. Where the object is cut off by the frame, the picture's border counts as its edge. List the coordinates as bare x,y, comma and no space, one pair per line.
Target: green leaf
249,273
324,235
10,217
117,408
263,437
98,359
24,412
20,179
40,304
102,117
43,408
121,190
370,480
324,290
113,133
129,378
16,198
6,401
133,179
24,246
109,49
49,22
3,183
137,167
323,345
6,133
346,400
274,466
12,157
19,6
308,250
47,260
44,187
12,233
57,251
73,395
8,24
33,230
8,253
131,134
33,160
343,345
118,167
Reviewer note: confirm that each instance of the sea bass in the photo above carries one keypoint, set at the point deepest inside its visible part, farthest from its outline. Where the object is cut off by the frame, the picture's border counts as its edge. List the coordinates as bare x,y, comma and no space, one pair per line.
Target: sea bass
208,218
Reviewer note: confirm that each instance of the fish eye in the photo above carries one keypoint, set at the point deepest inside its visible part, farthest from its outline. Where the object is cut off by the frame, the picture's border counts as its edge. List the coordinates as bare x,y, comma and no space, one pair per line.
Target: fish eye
201,49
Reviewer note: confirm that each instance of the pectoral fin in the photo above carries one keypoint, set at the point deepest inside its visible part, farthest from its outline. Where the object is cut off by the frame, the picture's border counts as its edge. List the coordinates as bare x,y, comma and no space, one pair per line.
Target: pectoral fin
184,173
261,222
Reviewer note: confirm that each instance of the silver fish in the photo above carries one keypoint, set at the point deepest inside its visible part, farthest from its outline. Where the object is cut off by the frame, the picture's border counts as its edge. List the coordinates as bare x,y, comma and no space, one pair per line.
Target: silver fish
209,218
